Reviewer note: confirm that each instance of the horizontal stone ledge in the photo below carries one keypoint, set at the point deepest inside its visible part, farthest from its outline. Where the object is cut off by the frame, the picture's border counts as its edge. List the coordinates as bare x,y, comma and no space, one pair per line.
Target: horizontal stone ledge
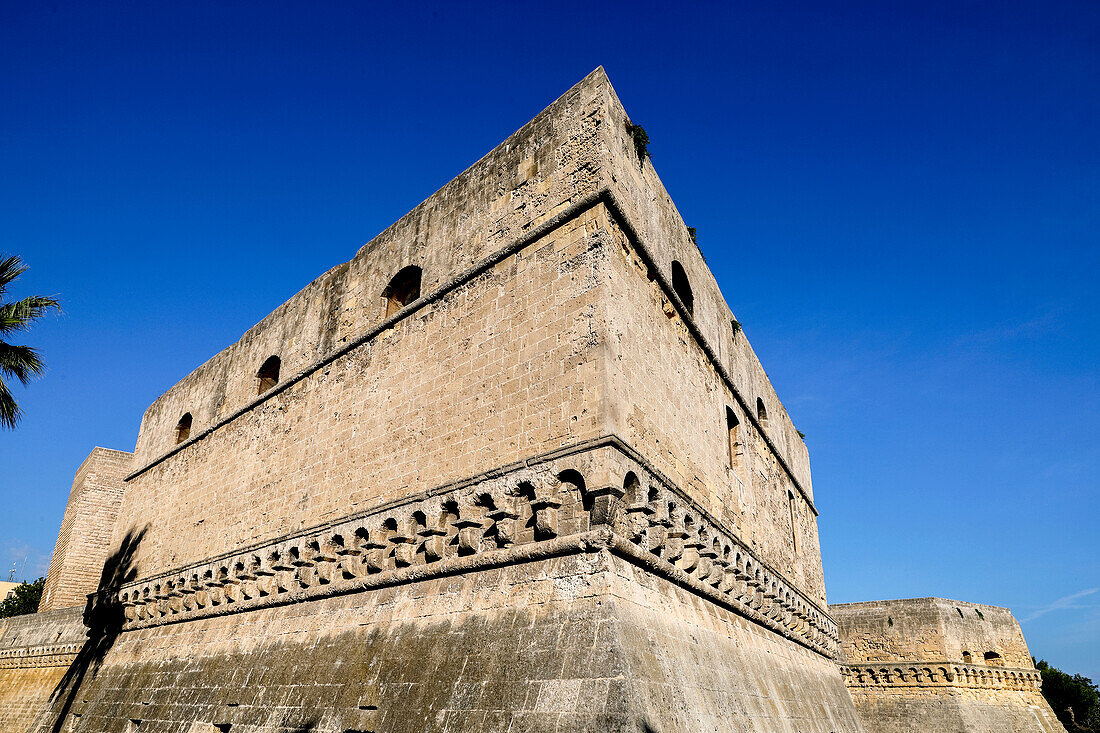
939,675
35,651
592,541
538,462
541,507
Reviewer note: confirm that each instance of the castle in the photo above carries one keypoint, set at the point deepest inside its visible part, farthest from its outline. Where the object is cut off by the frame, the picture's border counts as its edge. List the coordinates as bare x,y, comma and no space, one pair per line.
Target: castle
514,467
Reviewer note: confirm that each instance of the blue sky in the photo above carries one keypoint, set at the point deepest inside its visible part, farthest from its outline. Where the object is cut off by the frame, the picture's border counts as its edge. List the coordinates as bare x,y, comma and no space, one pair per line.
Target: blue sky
899,200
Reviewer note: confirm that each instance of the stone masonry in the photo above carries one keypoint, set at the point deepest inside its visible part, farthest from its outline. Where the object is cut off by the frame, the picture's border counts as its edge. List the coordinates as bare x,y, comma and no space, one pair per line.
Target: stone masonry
934,664
514,467
85,537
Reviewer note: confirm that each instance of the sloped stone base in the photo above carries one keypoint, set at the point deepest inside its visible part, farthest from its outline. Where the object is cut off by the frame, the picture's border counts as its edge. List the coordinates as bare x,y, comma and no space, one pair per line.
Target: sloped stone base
885,710
581,642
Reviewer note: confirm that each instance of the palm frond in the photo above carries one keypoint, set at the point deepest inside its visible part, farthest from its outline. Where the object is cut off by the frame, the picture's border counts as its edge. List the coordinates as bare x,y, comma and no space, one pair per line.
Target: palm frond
9,410
11,267
19,315
21,362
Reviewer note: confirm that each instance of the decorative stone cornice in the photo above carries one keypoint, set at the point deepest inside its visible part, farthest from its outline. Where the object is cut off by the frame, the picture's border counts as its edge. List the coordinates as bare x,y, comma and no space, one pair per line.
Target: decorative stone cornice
49,655
940,674
600,497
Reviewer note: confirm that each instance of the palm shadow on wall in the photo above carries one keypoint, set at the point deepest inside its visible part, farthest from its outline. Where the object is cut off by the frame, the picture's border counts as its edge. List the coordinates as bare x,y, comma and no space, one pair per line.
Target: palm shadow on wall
103,618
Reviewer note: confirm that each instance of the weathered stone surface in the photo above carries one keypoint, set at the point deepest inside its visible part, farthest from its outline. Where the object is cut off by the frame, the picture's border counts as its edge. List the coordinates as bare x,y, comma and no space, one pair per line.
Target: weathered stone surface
84,541
585,642
35,652
935,664
518,349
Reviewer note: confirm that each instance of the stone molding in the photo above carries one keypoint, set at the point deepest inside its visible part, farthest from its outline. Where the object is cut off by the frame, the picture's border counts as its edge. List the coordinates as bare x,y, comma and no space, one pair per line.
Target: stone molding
591,498
50,655
940,675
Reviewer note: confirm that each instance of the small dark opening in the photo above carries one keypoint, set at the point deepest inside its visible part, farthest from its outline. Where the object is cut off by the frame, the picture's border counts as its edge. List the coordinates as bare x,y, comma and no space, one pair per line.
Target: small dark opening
403,289
268,374
733,438
183,428
761,412
967,657
631,488
794,520
991,655
223,727
682,287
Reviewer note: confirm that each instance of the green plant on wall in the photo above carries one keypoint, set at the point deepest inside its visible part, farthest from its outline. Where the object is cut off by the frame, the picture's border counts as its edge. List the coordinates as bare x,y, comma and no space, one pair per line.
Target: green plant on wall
640,139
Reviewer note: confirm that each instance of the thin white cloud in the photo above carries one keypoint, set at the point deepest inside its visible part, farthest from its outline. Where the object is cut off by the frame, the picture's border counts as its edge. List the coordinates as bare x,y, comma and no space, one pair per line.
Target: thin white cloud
1046,322
1058,605
27,562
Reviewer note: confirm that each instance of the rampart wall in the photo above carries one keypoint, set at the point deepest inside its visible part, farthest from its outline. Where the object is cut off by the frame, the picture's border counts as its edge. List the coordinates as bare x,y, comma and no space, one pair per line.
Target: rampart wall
936,664
573,151
932,629
656,224
498,370
571,642
510,502
36,651
666,399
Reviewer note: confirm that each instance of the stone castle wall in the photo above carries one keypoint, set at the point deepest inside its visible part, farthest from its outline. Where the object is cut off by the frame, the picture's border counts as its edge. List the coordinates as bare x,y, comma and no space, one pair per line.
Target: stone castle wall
36,652
935,664
84,540
680,424
501,369
573,642
932,629
572,152
650,213
502,359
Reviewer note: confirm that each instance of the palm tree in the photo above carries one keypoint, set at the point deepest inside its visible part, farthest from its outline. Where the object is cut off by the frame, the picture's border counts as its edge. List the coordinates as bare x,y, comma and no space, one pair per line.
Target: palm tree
21,362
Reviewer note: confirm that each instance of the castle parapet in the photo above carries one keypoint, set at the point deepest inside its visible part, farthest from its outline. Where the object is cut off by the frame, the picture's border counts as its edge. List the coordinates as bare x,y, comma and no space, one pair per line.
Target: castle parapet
937,664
